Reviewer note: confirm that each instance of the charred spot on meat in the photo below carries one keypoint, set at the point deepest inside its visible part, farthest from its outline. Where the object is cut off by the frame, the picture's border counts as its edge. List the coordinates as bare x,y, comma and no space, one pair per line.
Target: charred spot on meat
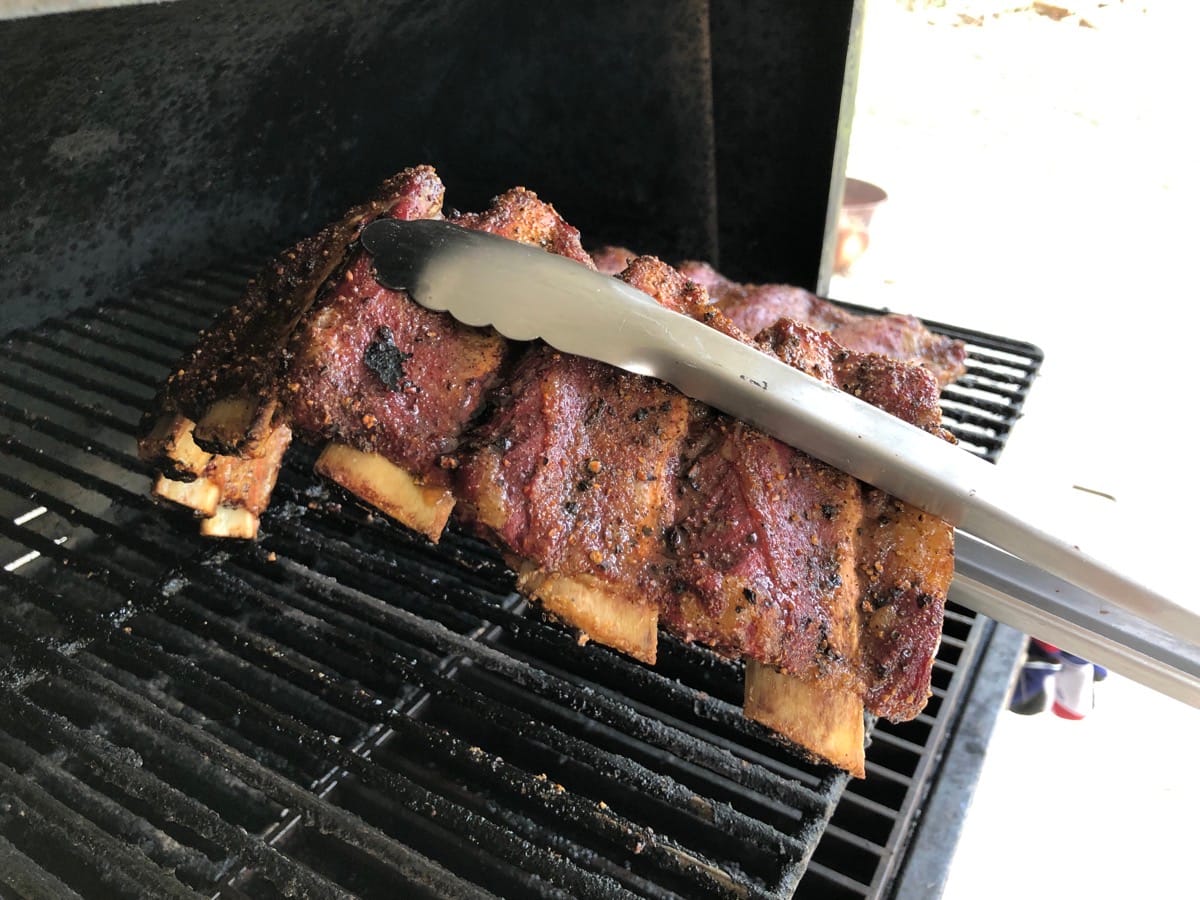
385,359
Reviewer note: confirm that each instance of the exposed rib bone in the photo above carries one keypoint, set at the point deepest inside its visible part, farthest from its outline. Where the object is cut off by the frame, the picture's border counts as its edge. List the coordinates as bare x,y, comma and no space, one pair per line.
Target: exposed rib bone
241,422
231,522
199,494
388,487
592,606
169,447
820,716
231,492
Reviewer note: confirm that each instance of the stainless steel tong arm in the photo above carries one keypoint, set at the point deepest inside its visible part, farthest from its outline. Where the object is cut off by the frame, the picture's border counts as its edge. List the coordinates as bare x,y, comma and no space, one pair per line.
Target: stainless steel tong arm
1032,574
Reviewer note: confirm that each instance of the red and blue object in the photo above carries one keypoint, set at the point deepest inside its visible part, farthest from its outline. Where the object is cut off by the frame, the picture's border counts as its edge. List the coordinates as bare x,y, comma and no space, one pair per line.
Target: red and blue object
1054,679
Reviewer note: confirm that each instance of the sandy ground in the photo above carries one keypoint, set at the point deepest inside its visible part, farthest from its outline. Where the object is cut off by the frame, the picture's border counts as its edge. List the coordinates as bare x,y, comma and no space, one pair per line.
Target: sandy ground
1042,185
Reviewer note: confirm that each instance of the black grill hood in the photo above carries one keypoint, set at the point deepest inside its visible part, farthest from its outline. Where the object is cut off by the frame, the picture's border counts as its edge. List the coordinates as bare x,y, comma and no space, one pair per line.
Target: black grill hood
141,137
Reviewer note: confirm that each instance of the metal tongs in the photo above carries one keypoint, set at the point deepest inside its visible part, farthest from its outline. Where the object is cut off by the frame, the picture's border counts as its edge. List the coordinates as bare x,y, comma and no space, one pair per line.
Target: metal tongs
1012,563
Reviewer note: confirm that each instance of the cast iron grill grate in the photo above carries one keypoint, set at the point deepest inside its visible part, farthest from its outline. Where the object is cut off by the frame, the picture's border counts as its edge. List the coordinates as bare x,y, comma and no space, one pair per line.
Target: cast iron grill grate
341,708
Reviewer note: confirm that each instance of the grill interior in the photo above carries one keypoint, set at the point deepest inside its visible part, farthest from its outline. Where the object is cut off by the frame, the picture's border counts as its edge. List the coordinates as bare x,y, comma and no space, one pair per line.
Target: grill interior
342,708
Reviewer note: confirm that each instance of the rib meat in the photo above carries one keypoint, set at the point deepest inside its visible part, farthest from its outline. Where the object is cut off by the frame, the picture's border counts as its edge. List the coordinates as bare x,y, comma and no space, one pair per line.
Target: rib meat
621,504
788,562
572,478
318,347
374,373
753,307
216,431
228,384
905,557
750,546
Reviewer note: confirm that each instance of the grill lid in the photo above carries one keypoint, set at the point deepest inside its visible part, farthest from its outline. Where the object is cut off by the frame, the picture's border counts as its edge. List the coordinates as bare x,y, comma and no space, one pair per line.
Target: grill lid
342,707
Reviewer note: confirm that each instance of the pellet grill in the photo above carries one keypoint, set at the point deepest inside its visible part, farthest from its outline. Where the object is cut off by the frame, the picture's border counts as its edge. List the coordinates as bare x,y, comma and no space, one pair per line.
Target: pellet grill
342,708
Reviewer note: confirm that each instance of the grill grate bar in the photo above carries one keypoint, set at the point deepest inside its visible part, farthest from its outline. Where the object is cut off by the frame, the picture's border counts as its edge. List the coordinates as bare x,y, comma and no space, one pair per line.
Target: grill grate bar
27,878
304,550
194,699
86,325
300,665
114,818
105,363
677,703
125,318
848,885
559,697
632,776
359,564
308,620
69,336
998,384
835,831
70,561
81,477
183,304
490,708
62,827
215,287
485,707
564,689
79,380
124,313
123,770
670,857
85,410
852,798
566,807
1006,362
102,523
139,653
360,687
958,405
112,762
297,680
886,737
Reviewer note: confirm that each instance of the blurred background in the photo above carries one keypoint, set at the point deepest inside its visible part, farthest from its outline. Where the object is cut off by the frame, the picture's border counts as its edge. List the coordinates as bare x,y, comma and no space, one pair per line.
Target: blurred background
1039,166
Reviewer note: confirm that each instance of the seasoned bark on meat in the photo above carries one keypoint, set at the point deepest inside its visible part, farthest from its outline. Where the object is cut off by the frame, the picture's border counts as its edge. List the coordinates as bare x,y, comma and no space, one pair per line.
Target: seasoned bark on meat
375,373
620,503
613,260
373,370
907,564
316,344
573,477
229,382
754,307
780,558
905,557
520,215
217,419
764,553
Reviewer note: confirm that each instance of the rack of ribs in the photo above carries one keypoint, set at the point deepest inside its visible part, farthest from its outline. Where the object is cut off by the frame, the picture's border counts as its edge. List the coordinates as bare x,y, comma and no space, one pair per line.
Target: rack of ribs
754,307
622,506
